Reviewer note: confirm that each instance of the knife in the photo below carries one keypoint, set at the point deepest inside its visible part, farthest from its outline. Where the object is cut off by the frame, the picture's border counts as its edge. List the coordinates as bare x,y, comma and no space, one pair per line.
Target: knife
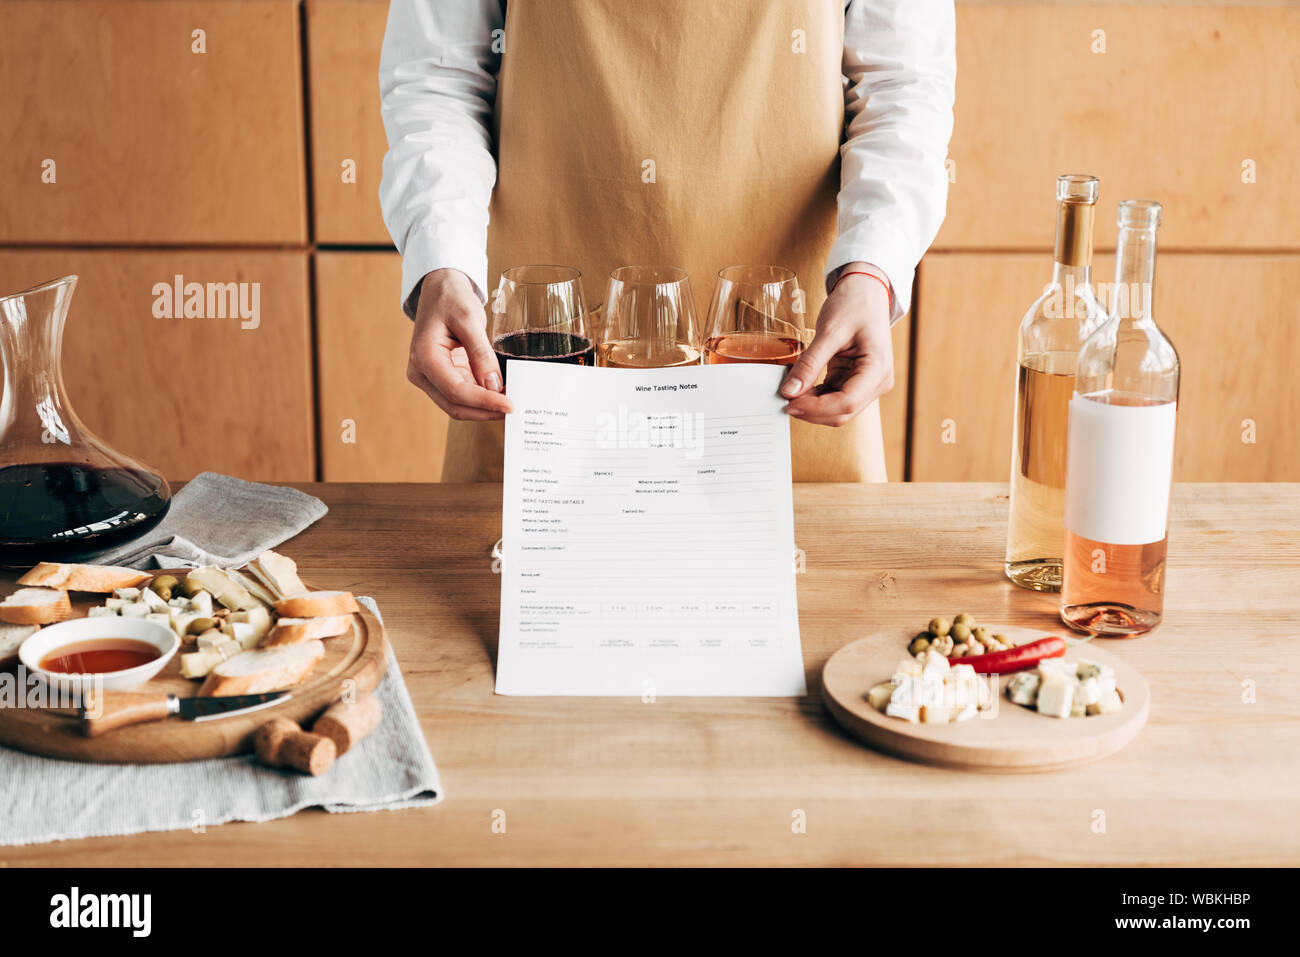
117,709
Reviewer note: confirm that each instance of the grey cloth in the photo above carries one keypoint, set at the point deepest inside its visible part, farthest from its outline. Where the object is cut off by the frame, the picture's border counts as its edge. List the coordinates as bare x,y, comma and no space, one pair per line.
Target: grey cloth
218,520
43,799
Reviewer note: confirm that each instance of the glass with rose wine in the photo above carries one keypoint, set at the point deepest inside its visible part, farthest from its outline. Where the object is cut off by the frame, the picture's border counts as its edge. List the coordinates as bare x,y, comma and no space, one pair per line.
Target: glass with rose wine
649,320
757,315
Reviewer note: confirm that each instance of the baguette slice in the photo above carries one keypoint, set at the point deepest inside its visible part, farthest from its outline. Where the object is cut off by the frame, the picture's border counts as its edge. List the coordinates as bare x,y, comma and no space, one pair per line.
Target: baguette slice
11,636
317,604
35,606
278,573
290,631
263,669
93,578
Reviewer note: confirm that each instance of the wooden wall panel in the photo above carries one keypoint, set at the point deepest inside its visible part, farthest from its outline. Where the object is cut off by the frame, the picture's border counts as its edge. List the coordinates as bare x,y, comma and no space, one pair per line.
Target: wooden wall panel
1181,97
186,394
397,434
1234,320
152,143
893,406
343,43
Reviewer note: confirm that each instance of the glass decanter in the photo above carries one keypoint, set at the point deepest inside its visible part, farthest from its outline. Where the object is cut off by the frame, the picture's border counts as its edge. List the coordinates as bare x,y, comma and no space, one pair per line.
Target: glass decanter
64,492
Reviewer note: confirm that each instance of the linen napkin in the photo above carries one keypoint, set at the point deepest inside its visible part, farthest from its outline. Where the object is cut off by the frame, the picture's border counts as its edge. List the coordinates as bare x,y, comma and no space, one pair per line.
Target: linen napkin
218,520
43,799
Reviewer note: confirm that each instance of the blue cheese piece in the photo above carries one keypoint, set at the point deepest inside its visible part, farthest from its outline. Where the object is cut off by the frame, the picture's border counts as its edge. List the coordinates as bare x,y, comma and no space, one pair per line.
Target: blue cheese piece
137,609
201,602
102,611
127,594
153,599
1055,696
1022,688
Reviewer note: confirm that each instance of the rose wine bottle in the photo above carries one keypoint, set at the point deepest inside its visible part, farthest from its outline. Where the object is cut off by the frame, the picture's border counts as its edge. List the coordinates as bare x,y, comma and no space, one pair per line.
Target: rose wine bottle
1050,335
1121,451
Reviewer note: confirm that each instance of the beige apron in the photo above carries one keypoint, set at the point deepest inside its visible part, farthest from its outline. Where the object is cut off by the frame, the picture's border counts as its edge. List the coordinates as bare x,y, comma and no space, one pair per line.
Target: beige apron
693,133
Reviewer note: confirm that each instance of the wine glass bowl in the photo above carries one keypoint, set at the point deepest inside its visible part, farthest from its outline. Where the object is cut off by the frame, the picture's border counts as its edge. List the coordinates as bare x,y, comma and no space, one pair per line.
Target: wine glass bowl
540,313
649,320
757,315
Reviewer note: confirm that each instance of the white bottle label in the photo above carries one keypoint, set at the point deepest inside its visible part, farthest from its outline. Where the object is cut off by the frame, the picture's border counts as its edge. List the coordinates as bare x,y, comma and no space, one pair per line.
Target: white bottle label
1119,464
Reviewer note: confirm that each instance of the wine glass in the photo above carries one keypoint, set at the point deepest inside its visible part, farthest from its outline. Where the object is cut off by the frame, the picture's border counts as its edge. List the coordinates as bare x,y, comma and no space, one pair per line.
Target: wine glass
649,321
540,313
757,315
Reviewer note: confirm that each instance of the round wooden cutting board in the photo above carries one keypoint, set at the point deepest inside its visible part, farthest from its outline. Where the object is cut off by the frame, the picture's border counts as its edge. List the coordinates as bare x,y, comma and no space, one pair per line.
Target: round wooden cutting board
360,656
1013,738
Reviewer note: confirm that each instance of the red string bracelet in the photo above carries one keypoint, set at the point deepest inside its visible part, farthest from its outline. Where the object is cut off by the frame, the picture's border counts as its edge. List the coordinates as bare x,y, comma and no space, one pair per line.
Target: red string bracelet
859,272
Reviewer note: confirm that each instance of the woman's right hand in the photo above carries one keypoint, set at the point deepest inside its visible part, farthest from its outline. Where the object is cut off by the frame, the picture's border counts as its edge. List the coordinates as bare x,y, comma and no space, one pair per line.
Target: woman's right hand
451,359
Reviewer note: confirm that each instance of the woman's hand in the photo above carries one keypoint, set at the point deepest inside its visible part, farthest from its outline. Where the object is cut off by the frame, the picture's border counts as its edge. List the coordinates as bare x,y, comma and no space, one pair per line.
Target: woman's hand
451,360
854,346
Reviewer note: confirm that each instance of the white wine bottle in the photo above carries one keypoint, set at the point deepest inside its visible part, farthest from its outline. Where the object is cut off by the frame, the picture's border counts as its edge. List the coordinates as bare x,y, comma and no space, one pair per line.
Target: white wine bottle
1050,335
1121,453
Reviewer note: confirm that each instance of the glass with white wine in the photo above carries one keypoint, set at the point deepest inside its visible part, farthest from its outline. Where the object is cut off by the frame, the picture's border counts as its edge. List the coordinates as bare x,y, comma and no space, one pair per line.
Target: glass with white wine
649,320
1051,333
1121,455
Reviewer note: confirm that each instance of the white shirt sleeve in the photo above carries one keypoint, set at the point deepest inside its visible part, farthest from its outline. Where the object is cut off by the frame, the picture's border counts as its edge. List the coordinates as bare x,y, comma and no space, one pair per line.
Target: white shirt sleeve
900,68
437,82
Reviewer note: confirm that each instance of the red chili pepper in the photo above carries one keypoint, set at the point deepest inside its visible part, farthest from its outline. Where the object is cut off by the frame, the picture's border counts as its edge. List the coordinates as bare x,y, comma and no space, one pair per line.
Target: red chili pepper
1014,659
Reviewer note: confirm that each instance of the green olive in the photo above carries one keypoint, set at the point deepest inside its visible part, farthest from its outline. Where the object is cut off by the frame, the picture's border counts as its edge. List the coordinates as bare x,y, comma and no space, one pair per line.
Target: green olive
164,581
965,619
199,625
162,592
940,626
1005,640
918,645
960,631
980,633
189,588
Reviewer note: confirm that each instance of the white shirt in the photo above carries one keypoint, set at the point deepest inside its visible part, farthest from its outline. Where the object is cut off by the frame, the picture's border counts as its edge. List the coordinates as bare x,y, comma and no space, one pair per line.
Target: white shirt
437,78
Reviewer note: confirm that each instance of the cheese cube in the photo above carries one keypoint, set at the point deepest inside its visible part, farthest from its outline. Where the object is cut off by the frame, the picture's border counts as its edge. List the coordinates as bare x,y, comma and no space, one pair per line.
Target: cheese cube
934,663
159,618
258,617
1055,696
966,713
1087,669
907,712
127,594
934,714
907,692
1022,688
201,602
116,603
1088,692
137,609
102,612
153,599
242,632
1058,666
1107,704
879,696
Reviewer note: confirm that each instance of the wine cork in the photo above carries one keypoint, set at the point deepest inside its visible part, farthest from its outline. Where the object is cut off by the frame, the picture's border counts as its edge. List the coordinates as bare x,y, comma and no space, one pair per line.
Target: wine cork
280,743
346,724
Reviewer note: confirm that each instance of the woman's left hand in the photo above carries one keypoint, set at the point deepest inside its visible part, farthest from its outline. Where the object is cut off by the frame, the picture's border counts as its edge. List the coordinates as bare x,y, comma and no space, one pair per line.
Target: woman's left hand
853,345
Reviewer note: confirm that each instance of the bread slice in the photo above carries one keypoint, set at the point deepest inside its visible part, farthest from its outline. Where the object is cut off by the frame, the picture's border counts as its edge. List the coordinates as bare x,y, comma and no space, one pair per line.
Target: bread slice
289,631
317,604
101,579
35,606
263,669
11,636
278,573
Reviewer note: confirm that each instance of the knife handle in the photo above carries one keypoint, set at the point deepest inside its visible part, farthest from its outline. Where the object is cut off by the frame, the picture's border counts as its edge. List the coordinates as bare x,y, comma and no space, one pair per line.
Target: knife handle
108,711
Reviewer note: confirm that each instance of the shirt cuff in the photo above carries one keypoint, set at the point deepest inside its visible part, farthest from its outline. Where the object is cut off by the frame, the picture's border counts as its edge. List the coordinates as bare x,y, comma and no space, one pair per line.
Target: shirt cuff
425,251
877,244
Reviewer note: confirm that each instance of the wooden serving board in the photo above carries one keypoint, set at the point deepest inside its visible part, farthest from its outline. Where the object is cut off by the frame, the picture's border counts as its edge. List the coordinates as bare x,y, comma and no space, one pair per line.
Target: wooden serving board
360,656
1016,739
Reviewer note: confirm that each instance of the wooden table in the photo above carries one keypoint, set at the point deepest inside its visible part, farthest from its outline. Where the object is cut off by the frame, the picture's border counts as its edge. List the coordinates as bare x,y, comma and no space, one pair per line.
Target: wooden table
1212,780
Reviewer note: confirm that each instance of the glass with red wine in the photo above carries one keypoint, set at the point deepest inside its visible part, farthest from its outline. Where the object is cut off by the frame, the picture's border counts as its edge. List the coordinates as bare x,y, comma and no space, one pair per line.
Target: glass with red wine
540,314
757,315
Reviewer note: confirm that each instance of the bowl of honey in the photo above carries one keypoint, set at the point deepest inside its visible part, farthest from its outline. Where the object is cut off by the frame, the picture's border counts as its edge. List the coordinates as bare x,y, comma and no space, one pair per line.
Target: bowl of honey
110,654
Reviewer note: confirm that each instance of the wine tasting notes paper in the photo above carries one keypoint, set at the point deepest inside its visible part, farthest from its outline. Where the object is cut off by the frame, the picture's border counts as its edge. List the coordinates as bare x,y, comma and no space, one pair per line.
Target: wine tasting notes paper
648,533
